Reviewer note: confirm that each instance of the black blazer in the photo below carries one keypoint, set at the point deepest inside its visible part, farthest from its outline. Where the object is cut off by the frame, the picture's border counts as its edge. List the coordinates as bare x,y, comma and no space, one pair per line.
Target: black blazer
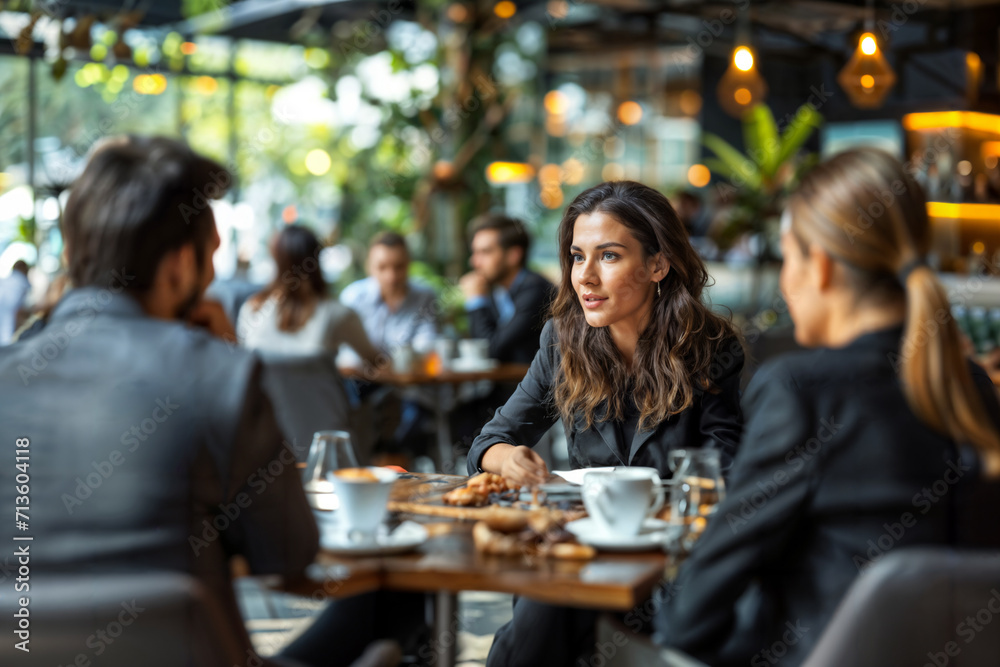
714,419
833,471
516,341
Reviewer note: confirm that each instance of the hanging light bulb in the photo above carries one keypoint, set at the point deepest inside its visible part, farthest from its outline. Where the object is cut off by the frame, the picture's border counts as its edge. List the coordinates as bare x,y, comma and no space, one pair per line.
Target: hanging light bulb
741,86
867,77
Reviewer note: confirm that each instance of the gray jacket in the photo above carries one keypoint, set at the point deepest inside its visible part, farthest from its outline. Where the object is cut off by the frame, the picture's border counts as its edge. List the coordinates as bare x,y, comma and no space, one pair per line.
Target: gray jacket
152,448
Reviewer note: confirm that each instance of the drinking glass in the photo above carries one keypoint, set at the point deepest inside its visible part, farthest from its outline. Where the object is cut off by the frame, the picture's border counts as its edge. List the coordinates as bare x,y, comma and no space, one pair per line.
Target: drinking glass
329,451
696,490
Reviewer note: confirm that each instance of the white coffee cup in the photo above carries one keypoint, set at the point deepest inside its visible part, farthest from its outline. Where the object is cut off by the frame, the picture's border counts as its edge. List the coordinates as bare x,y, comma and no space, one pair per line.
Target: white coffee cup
445,348
474,348
363,494
619,500
403,358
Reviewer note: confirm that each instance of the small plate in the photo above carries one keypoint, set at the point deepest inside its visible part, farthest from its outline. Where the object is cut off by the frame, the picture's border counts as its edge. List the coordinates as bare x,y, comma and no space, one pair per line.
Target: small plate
652,535
408,536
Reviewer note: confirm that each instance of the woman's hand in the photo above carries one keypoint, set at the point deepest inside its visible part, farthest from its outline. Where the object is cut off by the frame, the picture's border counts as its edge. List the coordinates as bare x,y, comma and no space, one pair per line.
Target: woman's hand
518,465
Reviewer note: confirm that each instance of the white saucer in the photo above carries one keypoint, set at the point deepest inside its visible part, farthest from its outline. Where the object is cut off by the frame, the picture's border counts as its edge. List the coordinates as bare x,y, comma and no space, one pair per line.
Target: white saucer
406,537
472,365
652,535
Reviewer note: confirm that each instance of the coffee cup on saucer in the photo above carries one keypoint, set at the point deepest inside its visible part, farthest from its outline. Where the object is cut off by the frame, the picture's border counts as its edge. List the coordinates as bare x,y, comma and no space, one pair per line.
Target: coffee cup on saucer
364,495
620,500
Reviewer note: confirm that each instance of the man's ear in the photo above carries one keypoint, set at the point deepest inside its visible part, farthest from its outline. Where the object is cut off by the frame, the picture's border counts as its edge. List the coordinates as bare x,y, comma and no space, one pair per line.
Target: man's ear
821,268
515,256
178,269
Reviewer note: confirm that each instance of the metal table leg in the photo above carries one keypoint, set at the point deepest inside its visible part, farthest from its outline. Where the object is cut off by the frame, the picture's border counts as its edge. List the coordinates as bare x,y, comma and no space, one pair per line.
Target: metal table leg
442,410
445,632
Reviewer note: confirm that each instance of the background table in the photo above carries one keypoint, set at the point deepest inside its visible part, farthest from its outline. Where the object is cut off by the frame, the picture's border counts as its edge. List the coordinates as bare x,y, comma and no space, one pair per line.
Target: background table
448,563
444,382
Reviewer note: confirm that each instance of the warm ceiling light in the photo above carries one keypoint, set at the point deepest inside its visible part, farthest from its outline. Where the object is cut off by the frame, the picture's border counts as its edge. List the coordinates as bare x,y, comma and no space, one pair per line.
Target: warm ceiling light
979,212
699,175
741,86
629,113
506,173
505,9
743,59
868,44
963,120
867,77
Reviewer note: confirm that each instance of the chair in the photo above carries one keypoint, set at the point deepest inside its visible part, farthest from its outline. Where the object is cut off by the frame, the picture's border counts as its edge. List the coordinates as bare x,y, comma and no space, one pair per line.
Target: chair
913,608
309,395
162,619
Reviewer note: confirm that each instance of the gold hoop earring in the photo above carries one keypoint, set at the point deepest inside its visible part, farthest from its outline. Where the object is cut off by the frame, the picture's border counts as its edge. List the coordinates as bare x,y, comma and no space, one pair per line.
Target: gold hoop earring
657,289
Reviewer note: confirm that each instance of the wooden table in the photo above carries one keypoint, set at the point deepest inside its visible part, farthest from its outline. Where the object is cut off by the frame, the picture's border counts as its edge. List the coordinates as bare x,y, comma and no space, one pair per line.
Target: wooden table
448,563
445,382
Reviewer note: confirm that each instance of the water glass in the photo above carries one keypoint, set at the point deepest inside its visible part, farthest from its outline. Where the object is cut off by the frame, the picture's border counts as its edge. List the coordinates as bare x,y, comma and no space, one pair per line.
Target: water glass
329,451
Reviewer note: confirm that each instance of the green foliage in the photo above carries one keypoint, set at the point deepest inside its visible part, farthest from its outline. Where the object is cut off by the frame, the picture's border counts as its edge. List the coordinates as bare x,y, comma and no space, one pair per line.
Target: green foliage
760,179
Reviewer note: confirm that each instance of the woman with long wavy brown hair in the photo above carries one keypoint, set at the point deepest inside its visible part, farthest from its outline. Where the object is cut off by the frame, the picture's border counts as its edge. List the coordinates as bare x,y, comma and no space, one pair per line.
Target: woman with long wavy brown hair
880,436
634,363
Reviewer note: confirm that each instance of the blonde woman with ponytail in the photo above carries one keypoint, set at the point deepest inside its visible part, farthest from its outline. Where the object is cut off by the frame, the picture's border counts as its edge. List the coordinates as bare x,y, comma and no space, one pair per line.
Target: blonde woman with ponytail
864,443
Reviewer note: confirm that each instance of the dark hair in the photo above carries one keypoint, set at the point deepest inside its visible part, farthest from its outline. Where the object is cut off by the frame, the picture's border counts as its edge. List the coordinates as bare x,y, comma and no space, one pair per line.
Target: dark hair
512,231
298,284
389,240
138,199
20,265
673,358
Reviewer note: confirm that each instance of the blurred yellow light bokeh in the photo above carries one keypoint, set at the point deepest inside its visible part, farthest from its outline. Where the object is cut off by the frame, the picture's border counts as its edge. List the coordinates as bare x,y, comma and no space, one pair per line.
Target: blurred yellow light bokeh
504,173
505,9
699,175
629,112
318,161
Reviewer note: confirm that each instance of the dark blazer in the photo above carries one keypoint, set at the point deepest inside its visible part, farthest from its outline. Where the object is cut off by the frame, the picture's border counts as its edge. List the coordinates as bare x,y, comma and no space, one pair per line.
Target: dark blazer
834,470
516,340
714,419
152,447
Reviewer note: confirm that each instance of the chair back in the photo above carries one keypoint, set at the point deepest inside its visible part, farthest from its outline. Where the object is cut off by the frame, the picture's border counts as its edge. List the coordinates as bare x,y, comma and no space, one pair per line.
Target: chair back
919,606
308,395
123,620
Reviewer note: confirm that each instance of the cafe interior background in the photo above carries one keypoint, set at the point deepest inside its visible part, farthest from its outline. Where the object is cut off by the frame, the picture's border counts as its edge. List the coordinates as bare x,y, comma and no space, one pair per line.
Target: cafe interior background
353,117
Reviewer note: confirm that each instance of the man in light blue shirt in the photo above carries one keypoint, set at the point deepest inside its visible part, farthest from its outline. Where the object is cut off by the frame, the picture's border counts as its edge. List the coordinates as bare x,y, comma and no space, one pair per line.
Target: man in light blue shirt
394,310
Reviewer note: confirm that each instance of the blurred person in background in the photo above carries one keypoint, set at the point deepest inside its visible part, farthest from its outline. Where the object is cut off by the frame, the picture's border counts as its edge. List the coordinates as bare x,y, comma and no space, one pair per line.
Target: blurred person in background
295,315
13,293
400,317
395,310
845,437
507,303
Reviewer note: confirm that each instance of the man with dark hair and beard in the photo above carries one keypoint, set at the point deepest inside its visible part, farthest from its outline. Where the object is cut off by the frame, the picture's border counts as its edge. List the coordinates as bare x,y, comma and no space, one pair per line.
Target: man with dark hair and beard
153,447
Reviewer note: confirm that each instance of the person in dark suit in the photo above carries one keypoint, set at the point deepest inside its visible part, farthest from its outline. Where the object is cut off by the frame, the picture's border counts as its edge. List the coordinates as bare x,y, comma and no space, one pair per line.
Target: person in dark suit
852,448
507,304
152,445
633,362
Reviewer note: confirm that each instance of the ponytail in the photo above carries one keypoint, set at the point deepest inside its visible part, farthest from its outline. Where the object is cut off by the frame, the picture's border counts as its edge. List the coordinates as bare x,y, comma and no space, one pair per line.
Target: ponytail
935,374
865,209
